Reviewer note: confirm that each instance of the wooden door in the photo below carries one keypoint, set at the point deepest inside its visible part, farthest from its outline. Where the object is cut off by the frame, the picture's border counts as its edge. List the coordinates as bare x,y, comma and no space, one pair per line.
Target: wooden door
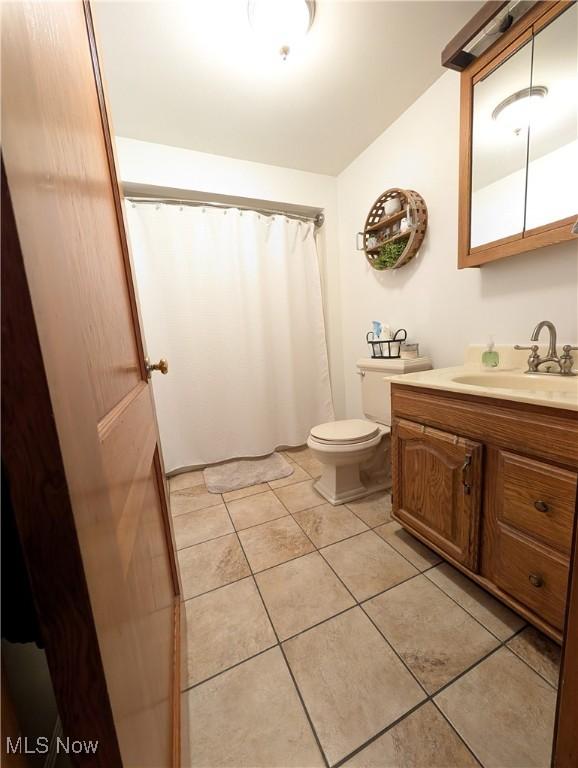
566,733
96,533
437,488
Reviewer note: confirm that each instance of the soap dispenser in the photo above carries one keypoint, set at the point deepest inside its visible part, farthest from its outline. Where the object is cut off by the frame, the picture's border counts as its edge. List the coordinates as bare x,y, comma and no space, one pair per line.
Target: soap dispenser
490,357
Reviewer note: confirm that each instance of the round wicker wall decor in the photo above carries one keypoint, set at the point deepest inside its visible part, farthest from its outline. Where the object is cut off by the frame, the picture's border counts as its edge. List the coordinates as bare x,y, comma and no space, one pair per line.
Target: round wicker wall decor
394,228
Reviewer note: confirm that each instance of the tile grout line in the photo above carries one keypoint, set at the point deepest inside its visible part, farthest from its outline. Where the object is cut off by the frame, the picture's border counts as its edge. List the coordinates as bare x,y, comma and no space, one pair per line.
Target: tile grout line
475,618
527,663
288,512
499,639
318,549
367,599
370,597
353,535
228,669
301,699
357,603
458,734
295,482
421,685
279,642
188,512
325,546
280,646
234,581
378,735
501,644
306,629
214,589
292,514
392,725
429,698
234,530
330,567
264,522
360,606
305,509
371,527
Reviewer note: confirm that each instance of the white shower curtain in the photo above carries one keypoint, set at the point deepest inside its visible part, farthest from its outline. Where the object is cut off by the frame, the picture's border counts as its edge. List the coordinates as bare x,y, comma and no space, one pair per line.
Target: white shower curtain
233,300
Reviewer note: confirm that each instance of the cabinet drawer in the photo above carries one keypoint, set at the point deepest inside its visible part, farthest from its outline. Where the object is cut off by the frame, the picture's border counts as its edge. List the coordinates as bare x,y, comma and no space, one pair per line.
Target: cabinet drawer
537,498
537,577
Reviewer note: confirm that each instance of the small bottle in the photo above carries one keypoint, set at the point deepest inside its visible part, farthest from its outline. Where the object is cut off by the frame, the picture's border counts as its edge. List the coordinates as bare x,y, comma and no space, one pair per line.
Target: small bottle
490,358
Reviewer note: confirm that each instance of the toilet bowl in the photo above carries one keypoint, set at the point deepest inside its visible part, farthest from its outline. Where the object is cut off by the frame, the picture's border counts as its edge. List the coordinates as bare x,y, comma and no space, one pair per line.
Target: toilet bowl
345,448
355,453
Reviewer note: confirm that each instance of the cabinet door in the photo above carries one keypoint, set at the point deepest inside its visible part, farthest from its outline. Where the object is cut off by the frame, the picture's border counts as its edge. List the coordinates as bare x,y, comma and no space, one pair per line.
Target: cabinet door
437,488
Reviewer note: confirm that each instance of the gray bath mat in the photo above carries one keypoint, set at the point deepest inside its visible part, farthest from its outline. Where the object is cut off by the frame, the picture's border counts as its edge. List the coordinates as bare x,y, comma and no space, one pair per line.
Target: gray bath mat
244,472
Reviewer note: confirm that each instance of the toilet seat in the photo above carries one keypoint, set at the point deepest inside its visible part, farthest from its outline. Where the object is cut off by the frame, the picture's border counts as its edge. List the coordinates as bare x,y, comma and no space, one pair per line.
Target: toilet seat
345,432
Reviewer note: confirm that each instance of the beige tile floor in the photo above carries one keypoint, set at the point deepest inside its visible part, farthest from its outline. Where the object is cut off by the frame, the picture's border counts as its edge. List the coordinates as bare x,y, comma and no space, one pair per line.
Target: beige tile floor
325,636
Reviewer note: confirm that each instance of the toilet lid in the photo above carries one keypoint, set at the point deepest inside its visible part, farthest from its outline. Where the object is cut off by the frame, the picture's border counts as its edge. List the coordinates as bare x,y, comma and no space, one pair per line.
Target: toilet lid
345,431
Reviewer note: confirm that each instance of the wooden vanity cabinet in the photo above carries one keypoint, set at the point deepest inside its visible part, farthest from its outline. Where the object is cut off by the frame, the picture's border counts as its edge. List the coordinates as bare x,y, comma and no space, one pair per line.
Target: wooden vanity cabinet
491,486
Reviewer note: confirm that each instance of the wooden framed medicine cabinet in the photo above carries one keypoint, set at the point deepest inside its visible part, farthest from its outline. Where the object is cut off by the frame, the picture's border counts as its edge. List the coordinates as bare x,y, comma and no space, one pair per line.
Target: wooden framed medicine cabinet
518,187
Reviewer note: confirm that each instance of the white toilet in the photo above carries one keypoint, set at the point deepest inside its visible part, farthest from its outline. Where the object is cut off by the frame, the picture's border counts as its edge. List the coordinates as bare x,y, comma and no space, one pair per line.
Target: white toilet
355,453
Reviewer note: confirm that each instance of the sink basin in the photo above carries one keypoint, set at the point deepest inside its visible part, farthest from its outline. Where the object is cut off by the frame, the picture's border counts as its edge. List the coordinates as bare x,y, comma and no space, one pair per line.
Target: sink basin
524,382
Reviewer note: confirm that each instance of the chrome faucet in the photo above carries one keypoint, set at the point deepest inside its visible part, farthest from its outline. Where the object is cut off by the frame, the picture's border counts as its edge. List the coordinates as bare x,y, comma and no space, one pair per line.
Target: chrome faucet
565,362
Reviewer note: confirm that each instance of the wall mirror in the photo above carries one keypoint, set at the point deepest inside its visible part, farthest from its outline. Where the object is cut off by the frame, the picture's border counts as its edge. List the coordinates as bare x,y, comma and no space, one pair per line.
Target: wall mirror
519,138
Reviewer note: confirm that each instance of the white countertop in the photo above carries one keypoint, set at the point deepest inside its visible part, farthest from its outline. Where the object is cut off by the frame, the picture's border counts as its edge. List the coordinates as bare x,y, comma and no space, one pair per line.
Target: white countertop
509,382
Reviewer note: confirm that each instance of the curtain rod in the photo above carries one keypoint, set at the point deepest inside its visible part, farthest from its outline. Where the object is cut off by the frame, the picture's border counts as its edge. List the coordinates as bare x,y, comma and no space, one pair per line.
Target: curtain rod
317,220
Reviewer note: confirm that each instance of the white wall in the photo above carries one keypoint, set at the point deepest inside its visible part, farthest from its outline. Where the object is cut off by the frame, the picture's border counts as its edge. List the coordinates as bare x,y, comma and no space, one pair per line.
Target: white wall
442,307
173,167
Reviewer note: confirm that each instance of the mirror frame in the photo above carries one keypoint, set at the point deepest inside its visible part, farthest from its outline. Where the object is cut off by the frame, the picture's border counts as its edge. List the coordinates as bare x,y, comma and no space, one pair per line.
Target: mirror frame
539,16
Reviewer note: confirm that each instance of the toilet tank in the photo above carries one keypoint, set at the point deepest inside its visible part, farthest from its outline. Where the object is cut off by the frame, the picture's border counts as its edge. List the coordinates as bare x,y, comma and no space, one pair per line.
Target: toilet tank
375,387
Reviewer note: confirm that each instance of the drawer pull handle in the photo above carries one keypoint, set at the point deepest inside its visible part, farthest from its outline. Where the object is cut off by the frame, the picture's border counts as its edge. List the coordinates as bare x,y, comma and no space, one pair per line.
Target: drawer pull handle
536,580
541,506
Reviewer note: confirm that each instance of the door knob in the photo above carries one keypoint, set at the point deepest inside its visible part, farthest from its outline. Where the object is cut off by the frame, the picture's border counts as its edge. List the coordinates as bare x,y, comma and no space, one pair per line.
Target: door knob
161,366
541,506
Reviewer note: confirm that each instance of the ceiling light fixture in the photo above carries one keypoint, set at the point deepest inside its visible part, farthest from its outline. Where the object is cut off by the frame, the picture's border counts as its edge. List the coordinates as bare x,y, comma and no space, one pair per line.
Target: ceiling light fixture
281,23
514,111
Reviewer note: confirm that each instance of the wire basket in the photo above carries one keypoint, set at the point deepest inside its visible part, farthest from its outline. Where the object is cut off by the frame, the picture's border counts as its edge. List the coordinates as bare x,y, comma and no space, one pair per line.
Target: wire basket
386,349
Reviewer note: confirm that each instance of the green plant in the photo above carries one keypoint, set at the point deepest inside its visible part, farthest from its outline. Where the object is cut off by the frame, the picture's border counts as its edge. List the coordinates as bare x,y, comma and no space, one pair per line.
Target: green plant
389,253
